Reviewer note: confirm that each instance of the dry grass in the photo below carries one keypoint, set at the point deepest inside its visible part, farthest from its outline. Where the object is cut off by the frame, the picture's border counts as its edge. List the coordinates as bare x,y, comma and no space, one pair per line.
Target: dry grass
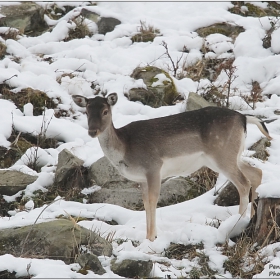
244,259
3,49
192,253
80,31
146,33
203,179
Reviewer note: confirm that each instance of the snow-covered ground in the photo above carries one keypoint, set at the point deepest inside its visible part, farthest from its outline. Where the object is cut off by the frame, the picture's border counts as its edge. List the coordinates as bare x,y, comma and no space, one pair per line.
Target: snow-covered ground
109,60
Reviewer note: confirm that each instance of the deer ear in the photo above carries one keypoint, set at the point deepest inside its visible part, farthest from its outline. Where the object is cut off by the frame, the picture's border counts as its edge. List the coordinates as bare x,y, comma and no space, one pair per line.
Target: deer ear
112,99
80,100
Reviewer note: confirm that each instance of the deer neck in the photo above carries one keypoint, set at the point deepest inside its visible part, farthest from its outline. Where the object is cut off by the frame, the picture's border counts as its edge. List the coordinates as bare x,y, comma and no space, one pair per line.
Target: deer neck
111,144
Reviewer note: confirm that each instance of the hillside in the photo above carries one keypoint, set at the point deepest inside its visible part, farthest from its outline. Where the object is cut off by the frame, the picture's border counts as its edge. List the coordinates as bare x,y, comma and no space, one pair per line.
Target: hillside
155,56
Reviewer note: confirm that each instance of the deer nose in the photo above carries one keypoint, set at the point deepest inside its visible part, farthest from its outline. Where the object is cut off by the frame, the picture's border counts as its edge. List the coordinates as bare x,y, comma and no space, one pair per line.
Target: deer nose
92,132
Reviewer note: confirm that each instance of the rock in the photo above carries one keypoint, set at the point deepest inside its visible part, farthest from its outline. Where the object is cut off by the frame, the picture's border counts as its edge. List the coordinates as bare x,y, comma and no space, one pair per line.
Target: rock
195,102
228,196
175,190
260,148
107,24
118,190
223,28
130,198
28,17
59,239
160,87
12,181
70,172
90,262
132,268
277,112
90,15
104,174
249,9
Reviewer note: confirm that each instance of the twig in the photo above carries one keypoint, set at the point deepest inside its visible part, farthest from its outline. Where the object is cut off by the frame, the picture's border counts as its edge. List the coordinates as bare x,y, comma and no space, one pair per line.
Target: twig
9,78
23,245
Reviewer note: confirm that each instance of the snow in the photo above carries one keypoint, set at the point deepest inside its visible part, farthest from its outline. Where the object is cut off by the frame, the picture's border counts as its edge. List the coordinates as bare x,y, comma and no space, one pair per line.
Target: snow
109,60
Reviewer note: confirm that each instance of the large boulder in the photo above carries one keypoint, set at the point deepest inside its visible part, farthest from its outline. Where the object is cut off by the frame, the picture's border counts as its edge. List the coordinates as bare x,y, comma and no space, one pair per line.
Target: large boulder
59,239
120,191
160,89
12,181
115,189
28,17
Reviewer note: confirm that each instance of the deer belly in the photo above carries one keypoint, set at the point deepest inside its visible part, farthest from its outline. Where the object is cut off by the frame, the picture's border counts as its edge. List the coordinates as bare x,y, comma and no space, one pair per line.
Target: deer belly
182,165
130,172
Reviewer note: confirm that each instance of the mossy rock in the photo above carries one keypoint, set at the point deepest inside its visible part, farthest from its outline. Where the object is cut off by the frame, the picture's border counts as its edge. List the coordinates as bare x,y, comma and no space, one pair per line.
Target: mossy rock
155,95
146,37
37,98
27,17
59,240
273,9
226,29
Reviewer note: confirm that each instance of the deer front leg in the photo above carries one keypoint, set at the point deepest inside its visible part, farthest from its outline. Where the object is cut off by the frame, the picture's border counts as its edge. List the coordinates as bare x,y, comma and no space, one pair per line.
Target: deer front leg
151,192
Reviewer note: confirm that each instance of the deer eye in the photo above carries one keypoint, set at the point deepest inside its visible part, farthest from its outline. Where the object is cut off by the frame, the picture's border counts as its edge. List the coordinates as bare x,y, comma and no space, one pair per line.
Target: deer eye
105,112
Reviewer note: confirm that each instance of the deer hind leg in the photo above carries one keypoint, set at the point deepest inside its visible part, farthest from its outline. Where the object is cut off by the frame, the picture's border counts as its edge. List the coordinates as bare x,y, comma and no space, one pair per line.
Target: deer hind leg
150,192
255,176
243,185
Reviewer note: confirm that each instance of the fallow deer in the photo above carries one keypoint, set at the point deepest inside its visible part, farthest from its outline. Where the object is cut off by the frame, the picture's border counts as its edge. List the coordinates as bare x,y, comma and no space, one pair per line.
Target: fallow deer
148,151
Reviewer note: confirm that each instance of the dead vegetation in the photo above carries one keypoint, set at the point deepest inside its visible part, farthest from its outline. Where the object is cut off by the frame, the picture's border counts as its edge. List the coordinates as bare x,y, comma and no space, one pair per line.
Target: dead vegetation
244,258
192,252
146,33
80,31
37,98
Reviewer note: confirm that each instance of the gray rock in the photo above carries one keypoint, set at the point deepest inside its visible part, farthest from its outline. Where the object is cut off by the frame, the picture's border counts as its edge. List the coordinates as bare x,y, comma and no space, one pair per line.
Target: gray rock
196,102
107,24
90,15
118,190
154,96
89,261
132,268
28,17
228,196
174,191
66,169
59,239
12,181
104,174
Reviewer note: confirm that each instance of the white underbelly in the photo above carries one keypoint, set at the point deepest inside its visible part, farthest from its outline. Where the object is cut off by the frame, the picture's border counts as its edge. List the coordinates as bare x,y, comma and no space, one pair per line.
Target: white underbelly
182,165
